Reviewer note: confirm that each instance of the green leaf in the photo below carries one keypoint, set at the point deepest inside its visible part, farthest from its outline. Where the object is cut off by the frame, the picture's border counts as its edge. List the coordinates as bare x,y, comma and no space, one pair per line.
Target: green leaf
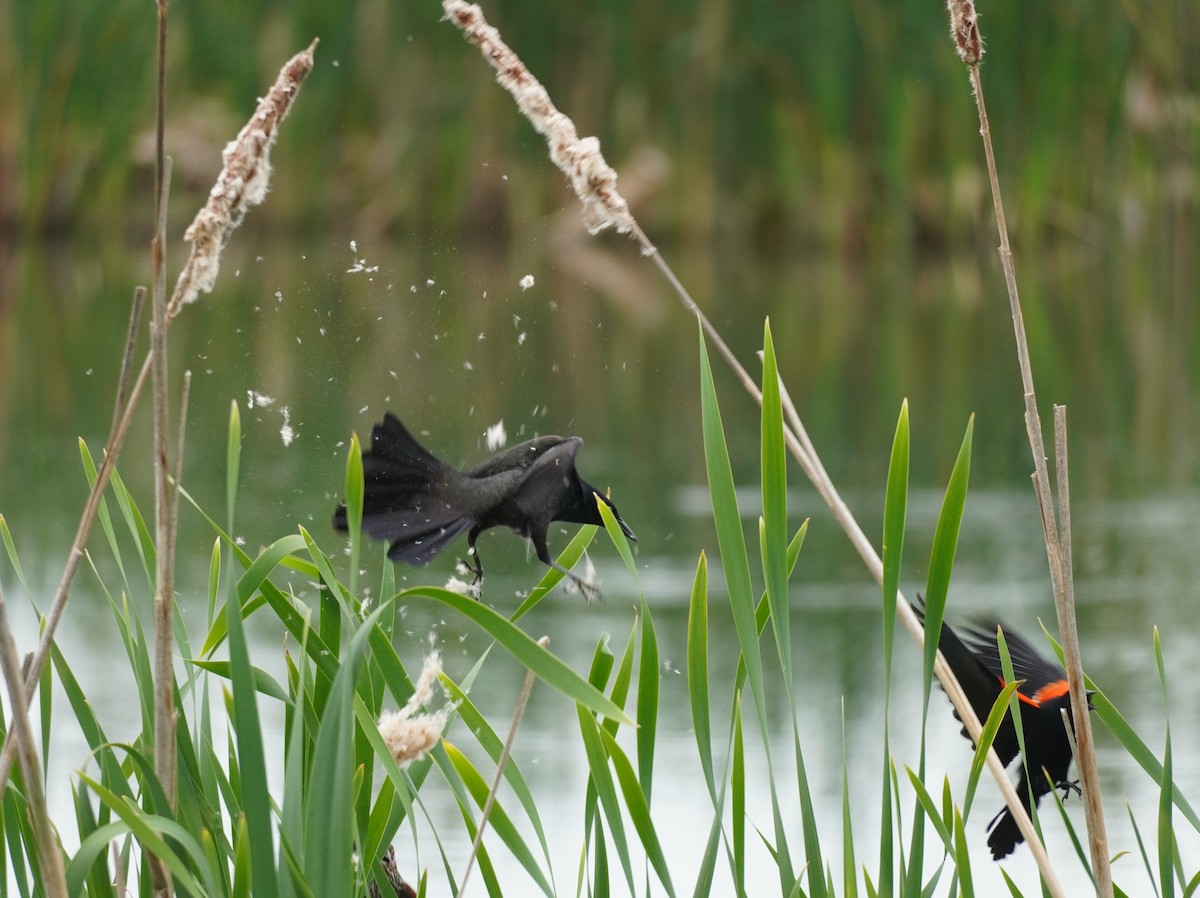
774,503
233,464
601,779
568,559
252,765
548,667
251,581
638,807
728,522
941,557
329,816
11,549
355,489
498,819
697,671
647,699
895,510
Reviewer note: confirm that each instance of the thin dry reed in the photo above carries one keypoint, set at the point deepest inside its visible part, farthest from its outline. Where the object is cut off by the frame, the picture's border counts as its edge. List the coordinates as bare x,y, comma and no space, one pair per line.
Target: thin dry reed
1055,507
245,158
499,55
501,763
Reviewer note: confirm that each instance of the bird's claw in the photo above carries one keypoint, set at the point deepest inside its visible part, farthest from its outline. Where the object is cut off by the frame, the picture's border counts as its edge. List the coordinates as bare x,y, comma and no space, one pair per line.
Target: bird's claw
1069,787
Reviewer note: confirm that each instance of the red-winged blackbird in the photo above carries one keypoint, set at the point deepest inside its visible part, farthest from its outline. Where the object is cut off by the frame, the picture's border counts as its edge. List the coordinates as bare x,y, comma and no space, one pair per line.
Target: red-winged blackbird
975,661
422,504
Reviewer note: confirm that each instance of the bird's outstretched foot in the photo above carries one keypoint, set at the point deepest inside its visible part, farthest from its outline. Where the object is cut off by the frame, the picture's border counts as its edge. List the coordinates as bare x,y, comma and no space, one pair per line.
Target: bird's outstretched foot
1069,787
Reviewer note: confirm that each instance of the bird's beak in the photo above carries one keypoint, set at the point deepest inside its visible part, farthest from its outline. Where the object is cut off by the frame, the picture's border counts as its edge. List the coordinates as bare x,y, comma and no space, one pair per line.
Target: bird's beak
629,534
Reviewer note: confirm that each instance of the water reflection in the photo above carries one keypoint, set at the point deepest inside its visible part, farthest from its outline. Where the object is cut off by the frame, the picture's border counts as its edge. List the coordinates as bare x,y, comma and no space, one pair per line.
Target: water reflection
335,334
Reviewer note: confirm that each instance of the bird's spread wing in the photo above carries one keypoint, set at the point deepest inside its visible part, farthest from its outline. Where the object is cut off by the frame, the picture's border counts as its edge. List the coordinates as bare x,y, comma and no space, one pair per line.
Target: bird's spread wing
418,545
519,457
979,684
548,475
1043,678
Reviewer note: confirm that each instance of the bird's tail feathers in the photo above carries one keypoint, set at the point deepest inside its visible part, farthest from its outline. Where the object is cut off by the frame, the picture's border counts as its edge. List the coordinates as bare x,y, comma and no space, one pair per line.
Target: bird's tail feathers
397,458
397,473
1003,835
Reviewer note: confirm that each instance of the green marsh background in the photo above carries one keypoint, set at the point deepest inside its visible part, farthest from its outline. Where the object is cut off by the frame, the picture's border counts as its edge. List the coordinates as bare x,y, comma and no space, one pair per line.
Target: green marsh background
818,163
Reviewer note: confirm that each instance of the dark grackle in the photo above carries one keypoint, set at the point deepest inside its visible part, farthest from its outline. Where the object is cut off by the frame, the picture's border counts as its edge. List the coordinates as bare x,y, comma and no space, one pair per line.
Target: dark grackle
421,504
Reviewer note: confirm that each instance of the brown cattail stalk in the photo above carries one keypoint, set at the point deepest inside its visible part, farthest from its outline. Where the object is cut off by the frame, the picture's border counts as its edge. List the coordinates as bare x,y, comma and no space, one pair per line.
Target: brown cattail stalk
49,852
228,202
1056,522
511,71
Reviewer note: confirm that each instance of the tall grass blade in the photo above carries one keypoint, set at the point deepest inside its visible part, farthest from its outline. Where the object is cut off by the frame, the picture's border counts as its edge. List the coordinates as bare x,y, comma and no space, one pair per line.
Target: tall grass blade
601,779
895,512
728,522
1166,832
941,557
233,464
697,672
152,831
849,863
10,549
252,766
647,699
638,805
737,783
568,559
328,829
542,662
354,506
774,503
498,818
491,742
736,567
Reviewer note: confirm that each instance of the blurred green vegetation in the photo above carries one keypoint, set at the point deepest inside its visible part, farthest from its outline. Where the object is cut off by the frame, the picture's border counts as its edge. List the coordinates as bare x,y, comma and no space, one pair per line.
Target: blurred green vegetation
833,124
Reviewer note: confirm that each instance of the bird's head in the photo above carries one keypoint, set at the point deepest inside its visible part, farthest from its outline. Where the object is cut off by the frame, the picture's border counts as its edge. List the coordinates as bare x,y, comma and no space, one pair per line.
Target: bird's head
590,494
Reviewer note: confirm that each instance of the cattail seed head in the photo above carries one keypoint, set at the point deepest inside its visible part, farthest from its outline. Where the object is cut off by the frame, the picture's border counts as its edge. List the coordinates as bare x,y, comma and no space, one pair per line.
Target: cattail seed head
241,184
594,181
964,30
410,735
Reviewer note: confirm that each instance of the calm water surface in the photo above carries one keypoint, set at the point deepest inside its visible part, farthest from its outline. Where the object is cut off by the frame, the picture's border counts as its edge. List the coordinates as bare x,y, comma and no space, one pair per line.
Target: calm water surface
335,333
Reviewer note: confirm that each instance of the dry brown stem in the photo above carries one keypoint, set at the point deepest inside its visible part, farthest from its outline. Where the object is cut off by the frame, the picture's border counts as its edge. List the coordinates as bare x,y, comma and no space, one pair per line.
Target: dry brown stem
501,763
208,239
1055,528
50,858
798,444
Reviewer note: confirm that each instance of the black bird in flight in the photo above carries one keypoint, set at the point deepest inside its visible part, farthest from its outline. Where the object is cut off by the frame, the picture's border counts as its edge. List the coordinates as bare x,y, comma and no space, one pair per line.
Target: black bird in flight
421,504
1042,695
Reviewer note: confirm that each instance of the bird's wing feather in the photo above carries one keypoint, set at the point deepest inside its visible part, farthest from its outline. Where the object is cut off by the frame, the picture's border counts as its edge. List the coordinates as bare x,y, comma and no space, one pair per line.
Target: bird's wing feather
419,546
552,468
979,684
515,458
1028,664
